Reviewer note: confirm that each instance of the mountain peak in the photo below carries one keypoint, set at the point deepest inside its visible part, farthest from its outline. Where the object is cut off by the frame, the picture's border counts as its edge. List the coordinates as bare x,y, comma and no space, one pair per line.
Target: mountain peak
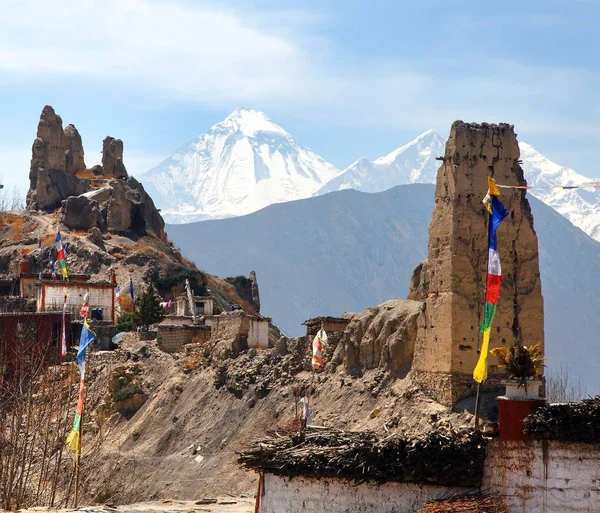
250,122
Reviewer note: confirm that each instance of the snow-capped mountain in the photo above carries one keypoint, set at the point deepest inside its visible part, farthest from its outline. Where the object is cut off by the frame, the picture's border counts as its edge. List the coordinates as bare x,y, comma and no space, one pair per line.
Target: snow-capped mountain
580,206
415,163
241,165
412,163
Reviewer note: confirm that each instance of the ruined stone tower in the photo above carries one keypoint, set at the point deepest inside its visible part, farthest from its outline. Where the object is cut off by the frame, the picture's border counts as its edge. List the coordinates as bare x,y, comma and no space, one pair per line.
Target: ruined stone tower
452,280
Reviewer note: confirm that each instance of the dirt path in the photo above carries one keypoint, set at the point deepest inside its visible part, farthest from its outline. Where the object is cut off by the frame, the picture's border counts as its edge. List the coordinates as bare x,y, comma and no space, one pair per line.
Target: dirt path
214,505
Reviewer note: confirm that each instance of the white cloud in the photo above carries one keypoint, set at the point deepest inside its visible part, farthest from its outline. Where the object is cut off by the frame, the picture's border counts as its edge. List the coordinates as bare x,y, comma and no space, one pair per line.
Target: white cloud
210,54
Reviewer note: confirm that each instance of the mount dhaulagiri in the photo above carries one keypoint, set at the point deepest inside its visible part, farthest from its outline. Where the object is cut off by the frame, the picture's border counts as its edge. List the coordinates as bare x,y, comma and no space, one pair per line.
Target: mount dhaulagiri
241,165
348,250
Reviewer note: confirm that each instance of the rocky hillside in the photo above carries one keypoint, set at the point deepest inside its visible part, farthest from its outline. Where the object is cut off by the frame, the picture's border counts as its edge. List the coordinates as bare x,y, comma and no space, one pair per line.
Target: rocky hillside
170,425
106,219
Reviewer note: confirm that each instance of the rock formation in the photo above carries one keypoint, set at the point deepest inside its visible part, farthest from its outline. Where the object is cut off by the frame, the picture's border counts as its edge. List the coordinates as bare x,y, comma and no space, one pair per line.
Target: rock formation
452,281
74,153
57,155
81,213
382,336
109,201
112,158
254,290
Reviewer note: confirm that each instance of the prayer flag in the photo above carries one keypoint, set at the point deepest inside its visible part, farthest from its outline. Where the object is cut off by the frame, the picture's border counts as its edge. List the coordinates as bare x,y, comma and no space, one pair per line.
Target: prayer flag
494,275
60,258
63,339
190,296
319,341
118,300
73,439
87,337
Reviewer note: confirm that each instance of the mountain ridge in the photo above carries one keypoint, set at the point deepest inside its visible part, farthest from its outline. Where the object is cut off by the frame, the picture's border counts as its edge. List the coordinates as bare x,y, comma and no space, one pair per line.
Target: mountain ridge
348,250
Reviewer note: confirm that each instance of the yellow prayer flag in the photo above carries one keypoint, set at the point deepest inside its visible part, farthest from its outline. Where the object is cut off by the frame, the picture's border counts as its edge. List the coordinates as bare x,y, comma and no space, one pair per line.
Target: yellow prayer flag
73,440
492,187
480,372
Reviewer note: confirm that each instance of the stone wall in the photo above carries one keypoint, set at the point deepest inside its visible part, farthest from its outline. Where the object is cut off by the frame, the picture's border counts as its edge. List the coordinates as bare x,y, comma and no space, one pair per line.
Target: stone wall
544,476
171,339
533,476
452,281
283,495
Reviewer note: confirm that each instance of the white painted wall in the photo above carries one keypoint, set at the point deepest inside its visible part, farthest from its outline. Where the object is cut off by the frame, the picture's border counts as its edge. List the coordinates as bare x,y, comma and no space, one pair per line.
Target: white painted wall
545,477
54,297
283,495
258,334
534,477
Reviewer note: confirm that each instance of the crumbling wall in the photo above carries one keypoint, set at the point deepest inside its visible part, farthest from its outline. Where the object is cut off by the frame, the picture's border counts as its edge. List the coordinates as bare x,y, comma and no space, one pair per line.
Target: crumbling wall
172,338
453,279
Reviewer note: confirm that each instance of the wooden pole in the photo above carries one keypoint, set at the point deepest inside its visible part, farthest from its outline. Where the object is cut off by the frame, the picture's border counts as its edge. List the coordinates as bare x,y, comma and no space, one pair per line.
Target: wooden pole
477,405
78,453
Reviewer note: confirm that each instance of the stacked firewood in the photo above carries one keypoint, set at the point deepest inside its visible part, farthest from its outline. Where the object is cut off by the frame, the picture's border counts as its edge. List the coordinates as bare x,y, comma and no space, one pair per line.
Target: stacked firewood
449,458
573,422
472,504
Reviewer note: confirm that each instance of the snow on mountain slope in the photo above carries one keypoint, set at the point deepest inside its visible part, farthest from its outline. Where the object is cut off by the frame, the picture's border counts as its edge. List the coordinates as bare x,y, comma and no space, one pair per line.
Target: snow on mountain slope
580,206
412,163
241,165
415,163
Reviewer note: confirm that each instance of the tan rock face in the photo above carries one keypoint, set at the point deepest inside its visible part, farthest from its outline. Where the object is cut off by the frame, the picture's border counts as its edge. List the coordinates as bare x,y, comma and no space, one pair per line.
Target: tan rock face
74,153
122,205
453,280
383,336
112,158
50,144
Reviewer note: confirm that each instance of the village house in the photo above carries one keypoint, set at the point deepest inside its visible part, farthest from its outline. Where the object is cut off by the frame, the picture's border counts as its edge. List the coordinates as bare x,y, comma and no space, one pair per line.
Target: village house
204,305
101,297
27,337
236,328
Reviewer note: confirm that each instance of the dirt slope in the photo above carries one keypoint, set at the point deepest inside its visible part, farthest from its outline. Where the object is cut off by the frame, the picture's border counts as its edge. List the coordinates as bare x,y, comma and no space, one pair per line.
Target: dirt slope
182,442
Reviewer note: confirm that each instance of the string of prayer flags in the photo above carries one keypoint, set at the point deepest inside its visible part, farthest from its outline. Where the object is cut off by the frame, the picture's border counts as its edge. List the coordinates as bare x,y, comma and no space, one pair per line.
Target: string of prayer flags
494,275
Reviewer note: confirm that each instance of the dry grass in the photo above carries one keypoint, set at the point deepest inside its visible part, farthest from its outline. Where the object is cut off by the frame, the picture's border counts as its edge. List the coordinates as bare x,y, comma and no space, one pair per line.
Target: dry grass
48,239
191,363
12,226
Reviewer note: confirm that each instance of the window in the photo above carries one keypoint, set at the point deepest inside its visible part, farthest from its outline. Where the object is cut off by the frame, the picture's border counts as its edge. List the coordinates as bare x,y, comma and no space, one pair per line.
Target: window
200,308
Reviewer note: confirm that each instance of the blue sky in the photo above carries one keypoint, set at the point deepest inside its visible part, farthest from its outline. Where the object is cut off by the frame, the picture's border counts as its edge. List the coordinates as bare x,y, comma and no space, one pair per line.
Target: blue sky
347,79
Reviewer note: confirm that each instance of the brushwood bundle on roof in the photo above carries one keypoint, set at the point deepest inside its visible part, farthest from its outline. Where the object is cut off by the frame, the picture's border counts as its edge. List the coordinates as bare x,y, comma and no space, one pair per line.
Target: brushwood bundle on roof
454,459
570,422
474,504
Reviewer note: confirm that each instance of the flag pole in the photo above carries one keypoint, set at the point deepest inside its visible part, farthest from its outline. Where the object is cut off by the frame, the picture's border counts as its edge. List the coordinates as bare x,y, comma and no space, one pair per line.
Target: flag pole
478,397
78,453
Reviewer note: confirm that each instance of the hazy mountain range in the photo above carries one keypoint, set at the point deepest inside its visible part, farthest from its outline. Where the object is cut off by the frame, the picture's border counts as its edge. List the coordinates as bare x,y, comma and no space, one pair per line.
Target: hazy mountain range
248,162
348,250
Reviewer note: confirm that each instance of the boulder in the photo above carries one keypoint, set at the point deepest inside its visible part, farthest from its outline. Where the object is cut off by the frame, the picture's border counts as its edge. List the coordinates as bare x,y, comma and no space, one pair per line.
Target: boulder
81,213
74,153
130,209
52,187
112,158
